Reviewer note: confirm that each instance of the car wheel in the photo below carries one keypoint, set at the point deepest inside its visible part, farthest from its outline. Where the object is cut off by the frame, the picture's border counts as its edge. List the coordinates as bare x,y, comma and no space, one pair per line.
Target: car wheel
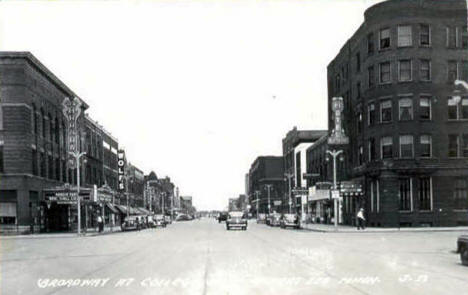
464,256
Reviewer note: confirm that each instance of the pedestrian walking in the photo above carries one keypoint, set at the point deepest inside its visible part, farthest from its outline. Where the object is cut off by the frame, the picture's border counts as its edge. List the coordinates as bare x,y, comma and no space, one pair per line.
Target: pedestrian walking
138,223
100,223
360,219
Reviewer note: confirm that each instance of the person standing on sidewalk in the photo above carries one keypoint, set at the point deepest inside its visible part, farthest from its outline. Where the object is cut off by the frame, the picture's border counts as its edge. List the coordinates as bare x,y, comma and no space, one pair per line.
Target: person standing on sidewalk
100,223
360,219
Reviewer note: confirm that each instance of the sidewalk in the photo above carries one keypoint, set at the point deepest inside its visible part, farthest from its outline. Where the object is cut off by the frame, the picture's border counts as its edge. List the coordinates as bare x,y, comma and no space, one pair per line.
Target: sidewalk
330,228
91,232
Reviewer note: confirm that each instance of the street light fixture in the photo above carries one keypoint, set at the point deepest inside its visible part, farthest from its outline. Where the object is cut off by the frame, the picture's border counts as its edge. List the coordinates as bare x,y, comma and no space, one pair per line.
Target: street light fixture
336,201
268,186
289,176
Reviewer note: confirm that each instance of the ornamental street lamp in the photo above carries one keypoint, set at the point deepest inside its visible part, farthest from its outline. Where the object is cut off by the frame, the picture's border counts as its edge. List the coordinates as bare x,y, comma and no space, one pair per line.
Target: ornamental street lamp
289,176
268,187
336,201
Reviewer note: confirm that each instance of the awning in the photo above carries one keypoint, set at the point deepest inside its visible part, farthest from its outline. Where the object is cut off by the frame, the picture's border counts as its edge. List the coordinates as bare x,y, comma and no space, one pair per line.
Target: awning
112,208
143,210
122,208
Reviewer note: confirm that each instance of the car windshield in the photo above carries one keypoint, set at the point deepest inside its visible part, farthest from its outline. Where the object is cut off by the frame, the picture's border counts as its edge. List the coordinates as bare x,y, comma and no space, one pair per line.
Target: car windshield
289,216
236,214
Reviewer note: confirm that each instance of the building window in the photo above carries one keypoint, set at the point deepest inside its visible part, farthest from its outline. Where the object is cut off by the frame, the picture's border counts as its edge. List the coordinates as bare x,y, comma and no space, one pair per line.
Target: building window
371,114
7,213
404,70
453,146
406,146
358,90
425,194
451,37
51,167
426,146
1,159
337,83
425,108
406,109
361,155
384,38
424,35
425,70
358,62
370,43
1,117
465,146
372,155
452,71
460,194
57,169
359,122
464,108
452,107
386,144
405,34
34,162
370,76
34,120
386,111
385,76
42,162
43,124
405,194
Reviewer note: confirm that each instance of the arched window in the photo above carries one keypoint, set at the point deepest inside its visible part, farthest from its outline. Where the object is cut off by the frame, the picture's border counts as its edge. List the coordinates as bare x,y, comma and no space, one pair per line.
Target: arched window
57,131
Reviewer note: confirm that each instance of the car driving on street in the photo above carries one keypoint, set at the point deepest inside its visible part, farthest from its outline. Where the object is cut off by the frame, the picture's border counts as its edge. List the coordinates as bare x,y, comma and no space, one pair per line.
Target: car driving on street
290,220
236,219
129,223
273,219
159,220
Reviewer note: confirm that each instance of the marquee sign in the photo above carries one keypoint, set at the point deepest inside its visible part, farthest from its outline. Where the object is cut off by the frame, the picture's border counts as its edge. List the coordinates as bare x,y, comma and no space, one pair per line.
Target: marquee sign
338,137
66,195
121,169
72,110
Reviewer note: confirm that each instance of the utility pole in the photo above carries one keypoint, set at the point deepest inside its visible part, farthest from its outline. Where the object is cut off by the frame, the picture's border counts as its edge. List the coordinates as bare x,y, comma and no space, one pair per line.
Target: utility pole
289,176
258,201
268,186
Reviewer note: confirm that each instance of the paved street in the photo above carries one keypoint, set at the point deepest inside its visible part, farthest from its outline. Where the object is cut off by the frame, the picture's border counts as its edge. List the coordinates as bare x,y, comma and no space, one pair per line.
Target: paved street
201,257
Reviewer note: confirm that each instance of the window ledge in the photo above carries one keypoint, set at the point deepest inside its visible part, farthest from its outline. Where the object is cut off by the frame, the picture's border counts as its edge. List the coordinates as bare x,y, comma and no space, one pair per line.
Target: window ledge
403,47
426,211
457,120
405,81
460,210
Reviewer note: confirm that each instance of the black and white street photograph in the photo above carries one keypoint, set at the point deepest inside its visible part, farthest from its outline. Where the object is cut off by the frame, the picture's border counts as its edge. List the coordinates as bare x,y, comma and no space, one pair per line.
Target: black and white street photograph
234,147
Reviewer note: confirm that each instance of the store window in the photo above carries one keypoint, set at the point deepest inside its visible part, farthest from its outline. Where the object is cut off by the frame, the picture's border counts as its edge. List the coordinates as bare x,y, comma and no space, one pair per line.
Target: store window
426,146
453,145
425,70
425,108
405,109
424,35
371,114
460,193
384,38
425,194
385,111
7,213
405,36
370,43
452,71
406,146
405,194
404,73
385,72
370,76
386,144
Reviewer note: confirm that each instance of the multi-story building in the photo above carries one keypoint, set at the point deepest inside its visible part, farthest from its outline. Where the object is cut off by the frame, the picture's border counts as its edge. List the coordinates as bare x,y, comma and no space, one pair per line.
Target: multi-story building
33,150
406,123
136,186
266,176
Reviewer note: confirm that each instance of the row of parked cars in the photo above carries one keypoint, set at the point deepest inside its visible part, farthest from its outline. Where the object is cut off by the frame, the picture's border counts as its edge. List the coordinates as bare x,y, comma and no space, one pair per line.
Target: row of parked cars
281,220
137,222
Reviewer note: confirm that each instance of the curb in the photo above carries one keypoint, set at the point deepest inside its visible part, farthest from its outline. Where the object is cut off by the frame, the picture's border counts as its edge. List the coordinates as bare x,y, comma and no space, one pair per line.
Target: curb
382,231
58,235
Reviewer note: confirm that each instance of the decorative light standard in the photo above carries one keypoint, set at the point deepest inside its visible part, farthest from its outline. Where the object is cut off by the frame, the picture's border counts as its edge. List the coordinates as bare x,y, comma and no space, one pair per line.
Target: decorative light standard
338,137
268,187
72,110
257,200
289,176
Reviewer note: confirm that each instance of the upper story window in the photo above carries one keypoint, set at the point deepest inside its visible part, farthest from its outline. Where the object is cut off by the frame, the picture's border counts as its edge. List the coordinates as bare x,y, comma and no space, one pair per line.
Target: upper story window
361,155
386,111
424,35
465,145
33,120
425,108
370,76
43,125
384,37
406,109
406,146
1,159
371,114
464,37
425,70
359,122
457,108
426,146
358,89
370,43
372,155
453,143
451,37
358,62
452,71
405,36
385,72
386,147
337,82
1,116
404,70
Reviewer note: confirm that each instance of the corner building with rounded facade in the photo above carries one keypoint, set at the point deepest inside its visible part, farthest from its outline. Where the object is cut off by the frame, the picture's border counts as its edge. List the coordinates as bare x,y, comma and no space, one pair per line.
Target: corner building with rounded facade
406,119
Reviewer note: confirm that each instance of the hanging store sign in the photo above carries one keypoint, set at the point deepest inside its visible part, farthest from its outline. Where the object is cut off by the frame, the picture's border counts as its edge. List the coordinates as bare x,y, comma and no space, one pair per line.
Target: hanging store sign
300,191
121,170
62,196
338,137
72,110
350,188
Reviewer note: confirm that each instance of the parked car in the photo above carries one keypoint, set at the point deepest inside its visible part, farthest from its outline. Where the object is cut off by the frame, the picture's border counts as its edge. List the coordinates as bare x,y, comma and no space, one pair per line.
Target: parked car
142,221
462,248
261,218
168,219
236,219
290,220
273,219
159,220
222,217
129,223
182,217
150,221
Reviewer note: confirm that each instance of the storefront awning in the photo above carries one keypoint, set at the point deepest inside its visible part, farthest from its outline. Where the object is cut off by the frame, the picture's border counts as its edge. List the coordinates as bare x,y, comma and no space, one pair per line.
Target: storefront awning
143,210
122,208
112,208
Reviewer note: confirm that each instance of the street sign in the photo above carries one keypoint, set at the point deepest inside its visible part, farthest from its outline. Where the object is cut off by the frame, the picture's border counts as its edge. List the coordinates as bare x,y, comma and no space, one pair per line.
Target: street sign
335,194
300,191
277,203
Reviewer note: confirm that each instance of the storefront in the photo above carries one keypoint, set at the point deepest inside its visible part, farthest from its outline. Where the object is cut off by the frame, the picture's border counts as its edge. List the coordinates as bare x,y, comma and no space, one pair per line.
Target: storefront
320,207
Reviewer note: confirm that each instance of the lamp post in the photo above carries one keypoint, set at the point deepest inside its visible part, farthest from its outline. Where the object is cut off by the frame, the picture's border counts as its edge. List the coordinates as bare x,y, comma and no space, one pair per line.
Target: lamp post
289,176
336,201
257,200
268,186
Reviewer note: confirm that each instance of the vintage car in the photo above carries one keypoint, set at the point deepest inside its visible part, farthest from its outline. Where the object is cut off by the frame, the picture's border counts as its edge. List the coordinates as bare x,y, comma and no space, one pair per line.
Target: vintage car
273,219
159,220
168,219
261,218
290,220
462,248
129,223
236,219
150,221
222,216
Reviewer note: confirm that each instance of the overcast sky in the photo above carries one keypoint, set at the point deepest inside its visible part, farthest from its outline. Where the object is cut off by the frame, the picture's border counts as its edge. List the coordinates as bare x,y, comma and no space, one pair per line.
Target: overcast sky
195,90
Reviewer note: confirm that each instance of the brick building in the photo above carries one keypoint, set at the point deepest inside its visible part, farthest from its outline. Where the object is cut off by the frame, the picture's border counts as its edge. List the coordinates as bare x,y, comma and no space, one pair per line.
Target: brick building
406,123
264,171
